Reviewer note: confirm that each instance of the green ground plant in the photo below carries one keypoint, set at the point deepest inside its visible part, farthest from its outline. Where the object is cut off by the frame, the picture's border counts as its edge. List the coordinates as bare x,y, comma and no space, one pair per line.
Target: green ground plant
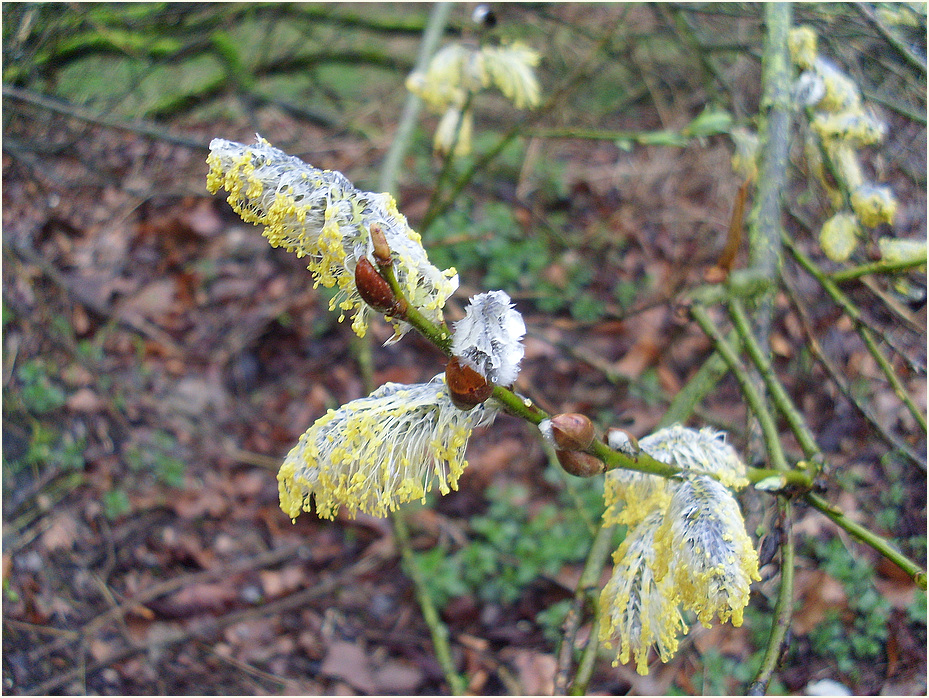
803,171
374,259
831,639
509,548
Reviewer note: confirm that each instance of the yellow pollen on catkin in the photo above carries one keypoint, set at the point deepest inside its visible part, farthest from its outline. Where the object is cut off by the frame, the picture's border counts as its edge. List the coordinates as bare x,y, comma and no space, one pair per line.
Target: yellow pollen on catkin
373,454
320,215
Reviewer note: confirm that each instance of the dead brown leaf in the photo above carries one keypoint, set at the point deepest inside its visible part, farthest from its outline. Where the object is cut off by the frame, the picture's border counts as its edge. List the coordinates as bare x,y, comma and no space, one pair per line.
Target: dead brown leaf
350,663
817,592
85,400
196,599
151,301
276,583
535,670
61,534
397,678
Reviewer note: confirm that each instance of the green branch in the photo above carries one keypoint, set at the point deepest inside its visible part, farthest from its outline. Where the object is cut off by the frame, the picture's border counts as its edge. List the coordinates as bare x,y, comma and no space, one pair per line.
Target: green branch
771,440
752,396
780,624
764,221
776,390
588,587
870,538
863,330
524,408
436,627
851,273
841,382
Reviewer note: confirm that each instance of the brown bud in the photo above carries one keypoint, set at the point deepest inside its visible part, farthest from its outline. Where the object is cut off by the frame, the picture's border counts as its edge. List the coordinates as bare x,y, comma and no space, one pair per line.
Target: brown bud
580,463
572,431
622,441
372,287
381,248
467,387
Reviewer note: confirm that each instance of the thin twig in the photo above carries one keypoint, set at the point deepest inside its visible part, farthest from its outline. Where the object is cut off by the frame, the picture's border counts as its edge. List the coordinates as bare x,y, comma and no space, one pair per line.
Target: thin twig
812,343
879,543
166,587
585,596
882,267
701,383
61,107
481,163
780,623
893,105
437,628
751,395
438,18
775,389
171,638
447,160
913,59
771,441
909,320
896,308
687,33
864,331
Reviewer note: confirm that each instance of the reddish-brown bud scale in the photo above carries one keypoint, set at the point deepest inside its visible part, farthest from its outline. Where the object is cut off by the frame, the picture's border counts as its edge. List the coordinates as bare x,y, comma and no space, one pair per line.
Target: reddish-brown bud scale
622,441
372,287
572,431
381,248
467,387
580,464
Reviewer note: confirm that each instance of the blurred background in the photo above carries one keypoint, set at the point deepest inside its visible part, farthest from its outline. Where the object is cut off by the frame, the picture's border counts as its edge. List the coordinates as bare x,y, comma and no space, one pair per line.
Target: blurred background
160,358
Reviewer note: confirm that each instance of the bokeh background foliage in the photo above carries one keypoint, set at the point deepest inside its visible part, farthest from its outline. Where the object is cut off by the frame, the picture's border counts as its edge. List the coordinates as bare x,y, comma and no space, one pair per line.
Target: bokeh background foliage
159,358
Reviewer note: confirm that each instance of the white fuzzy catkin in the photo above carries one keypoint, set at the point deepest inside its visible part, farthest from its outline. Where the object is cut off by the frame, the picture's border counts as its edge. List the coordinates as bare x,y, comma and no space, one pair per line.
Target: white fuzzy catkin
630,496
702,543
489,337
377,452
839,236
321,216
638,611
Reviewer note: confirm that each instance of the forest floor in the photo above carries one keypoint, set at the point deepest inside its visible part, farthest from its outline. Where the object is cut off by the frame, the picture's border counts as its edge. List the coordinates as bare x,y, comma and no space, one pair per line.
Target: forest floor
160,359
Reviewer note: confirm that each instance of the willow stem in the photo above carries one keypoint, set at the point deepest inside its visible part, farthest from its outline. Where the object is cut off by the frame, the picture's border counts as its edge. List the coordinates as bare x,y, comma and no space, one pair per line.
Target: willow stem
778,395
783,606
524,408
764,221
844,275
870,538
752,396
587,590
863,330
438,17
437,628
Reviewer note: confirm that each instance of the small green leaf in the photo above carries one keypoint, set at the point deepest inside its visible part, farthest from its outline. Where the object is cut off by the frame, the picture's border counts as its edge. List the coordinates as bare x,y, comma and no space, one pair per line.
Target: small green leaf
667,138
710,122
772,484
115,504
